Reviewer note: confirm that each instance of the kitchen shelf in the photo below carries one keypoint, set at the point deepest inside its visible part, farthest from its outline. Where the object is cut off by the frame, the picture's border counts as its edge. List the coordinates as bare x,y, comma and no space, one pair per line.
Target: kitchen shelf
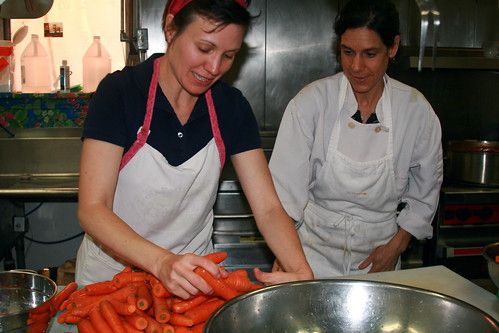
457,62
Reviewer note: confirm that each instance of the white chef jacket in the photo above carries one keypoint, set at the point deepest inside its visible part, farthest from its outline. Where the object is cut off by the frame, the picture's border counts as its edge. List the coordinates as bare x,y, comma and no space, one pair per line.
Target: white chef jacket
302,144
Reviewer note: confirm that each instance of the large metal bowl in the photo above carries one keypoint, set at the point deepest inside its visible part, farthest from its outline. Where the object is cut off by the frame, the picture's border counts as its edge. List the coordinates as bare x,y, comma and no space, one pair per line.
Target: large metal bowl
347,306
19,293
490,252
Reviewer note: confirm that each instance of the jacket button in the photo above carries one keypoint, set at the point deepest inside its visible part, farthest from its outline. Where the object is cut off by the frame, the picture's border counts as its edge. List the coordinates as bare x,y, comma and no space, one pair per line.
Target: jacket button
180,135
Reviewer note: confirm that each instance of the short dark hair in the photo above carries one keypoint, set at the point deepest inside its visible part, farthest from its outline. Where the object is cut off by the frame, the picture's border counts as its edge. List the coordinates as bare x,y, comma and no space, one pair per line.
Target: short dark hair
223,12
381,16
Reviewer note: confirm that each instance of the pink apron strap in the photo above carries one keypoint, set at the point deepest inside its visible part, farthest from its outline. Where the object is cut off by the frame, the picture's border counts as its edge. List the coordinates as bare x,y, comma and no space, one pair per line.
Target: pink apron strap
215,129
144,130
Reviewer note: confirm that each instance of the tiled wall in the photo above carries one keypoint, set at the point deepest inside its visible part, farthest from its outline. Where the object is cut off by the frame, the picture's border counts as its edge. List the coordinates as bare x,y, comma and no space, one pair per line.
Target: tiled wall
43,110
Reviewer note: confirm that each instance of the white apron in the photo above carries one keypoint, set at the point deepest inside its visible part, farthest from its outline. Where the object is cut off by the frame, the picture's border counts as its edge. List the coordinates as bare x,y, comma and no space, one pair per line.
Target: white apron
355,195
169,206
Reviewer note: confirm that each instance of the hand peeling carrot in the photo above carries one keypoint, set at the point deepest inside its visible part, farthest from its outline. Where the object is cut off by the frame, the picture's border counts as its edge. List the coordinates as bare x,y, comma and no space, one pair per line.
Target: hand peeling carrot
218,286
116,306
217,257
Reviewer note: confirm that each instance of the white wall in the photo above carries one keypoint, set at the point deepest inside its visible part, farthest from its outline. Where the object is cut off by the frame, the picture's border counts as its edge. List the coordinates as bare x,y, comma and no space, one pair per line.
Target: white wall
51,222
81,19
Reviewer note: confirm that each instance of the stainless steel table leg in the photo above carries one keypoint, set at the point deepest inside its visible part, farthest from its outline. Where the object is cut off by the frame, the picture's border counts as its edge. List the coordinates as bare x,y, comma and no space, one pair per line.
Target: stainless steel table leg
19,247
19,241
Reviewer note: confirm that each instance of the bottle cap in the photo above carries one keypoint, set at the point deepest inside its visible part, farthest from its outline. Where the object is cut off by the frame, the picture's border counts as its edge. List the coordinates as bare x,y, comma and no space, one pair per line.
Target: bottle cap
64,62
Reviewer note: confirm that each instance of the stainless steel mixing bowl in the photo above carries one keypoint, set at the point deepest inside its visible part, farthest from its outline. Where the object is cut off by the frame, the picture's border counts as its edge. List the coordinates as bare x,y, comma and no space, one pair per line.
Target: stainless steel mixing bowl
490,252
347,306
20,292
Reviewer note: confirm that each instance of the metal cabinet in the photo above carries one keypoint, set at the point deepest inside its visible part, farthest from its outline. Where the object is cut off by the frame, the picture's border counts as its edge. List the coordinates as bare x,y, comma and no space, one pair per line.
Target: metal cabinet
289,45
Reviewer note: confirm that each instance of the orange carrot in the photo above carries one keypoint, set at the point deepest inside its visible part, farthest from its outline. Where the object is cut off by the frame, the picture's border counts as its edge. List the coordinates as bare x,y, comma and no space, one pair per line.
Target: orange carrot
83,301
161,309
137,321
130,329
183,306
217,257
109,313
218,286
182,329
98,321
123,278
199,328
167,328
77,294
123,308
38,317
203,311
39,327
100,288
85,326
153,326
178,319
62,296
123,293
42,308
160,291
144,297
82,311
70,319
240,282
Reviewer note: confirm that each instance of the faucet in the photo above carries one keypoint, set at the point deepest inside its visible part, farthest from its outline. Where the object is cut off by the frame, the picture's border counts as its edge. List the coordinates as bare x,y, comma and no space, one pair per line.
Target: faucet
428,9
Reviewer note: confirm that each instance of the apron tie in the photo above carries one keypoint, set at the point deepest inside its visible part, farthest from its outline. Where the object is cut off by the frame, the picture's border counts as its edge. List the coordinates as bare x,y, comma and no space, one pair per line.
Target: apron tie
349,230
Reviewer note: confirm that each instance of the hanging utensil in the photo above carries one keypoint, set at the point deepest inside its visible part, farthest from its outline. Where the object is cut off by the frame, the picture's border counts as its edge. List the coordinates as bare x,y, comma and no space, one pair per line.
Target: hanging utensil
19,35
429,13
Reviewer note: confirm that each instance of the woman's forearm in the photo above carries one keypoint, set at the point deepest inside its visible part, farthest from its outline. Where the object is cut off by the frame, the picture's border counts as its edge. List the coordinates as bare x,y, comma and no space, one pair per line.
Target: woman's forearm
118,239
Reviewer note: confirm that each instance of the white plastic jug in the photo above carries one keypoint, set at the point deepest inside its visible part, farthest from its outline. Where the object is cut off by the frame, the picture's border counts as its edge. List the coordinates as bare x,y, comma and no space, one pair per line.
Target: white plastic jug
36,68
96,65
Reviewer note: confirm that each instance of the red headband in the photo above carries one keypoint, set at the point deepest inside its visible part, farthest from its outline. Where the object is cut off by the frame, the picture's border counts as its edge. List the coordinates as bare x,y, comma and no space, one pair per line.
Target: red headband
177,5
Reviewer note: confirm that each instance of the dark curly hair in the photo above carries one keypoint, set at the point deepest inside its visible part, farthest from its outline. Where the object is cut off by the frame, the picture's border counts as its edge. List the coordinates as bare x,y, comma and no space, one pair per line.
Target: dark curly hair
223,12
380,16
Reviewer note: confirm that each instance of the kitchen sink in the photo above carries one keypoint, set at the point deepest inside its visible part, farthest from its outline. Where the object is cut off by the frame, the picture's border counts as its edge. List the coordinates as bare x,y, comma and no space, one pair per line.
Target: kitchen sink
40,162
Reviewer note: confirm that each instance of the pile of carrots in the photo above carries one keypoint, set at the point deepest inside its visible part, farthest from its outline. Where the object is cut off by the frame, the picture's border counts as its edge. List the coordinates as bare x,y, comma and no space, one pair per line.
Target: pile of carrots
138,302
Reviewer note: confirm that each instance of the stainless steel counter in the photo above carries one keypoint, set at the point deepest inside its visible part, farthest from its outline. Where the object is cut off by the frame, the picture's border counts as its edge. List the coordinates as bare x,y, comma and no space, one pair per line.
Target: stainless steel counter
436,278
441,280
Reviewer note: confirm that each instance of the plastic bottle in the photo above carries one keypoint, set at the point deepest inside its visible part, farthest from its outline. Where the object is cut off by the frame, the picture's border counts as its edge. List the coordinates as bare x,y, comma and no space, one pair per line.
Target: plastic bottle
96,65
64,73
6,66
36,69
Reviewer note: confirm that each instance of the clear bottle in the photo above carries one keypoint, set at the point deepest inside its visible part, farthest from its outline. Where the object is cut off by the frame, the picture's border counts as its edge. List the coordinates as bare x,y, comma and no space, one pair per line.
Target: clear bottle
96,65
36,68
64,73
6,66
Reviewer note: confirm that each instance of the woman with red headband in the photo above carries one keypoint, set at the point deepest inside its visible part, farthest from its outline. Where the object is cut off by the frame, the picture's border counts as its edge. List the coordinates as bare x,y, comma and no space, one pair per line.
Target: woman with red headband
155,142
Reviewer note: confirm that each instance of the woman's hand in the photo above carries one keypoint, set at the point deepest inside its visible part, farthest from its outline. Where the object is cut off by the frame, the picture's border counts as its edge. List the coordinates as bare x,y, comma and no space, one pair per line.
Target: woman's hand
385,257
176,272
280,276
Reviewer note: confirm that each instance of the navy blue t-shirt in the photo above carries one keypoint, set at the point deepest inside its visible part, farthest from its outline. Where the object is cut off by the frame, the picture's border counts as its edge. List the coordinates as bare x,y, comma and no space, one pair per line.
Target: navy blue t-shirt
117,110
